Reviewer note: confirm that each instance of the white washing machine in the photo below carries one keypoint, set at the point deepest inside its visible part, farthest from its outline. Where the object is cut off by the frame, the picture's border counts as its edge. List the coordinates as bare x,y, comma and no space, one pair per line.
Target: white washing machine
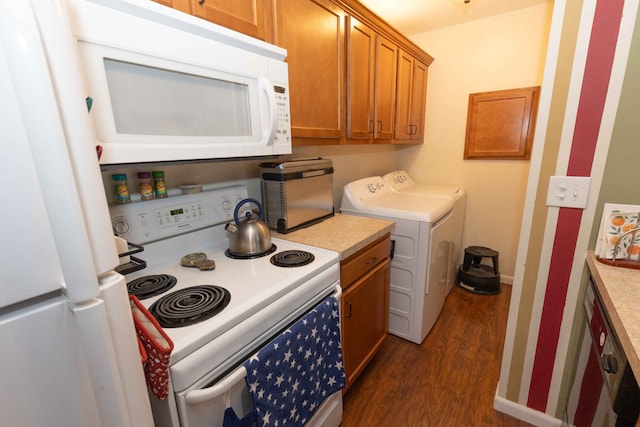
422,236
401,182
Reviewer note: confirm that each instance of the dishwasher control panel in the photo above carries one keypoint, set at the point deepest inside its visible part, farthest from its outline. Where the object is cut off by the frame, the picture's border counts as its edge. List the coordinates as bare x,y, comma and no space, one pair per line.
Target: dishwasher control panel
613,361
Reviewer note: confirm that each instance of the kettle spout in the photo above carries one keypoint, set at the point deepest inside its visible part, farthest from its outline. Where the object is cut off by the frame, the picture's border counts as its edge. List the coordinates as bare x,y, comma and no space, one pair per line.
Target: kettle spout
230,228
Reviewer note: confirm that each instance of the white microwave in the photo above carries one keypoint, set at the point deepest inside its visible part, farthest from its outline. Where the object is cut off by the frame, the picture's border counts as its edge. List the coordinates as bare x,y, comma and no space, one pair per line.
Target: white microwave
163,86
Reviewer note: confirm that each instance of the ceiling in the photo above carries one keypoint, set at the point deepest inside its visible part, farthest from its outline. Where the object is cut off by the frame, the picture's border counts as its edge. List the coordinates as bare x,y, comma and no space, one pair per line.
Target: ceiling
418,16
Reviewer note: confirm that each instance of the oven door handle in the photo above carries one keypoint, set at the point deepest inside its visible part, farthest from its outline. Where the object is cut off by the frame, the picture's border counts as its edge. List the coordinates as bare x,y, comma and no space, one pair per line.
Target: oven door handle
203,395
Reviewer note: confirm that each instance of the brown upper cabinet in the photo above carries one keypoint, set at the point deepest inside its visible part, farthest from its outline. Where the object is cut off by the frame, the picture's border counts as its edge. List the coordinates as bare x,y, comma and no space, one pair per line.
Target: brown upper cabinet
181,5
371,81
500,124
250,17
385,88
411,99
313,32
352,77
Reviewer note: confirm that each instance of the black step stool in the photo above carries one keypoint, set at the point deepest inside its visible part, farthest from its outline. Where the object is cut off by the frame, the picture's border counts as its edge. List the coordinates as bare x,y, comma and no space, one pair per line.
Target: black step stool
476,277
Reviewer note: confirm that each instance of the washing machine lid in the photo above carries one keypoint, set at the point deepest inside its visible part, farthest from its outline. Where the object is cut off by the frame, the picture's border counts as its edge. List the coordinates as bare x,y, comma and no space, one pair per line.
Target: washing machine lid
400,181
371,196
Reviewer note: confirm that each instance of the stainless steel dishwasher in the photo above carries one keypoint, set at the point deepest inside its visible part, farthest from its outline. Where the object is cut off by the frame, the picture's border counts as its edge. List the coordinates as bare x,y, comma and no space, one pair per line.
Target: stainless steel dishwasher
604,391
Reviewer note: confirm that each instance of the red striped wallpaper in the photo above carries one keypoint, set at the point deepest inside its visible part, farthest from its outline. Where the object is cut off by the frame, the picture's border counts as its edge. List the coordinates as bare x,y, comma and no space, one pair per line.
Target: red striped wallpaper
602,45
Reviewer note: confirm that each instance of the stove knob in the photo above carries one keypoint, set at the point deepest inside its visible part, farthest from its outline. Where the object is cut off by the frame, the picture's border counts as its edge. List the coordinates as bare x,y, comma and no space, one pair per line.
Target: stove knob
371,187
609,363
121,227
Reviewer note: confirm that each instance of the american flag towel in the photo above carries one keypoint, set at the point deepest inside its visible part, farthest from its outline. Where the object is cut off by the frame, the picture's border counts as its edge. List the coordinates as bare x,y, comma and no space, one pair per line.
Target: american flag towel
290,377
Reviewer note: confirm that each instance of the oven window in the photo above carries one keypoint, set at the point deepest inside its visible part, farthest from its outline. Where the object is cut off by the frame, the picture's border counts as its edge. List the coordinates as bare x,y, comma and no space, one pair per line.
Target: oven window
153,101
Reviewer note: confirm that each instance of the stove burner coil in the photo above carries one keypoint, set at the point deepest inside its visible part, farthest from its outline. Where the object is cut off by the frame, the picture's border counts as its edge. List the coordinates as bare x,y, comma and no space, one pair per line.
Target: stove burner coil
234,255
292,258
190,305
148,286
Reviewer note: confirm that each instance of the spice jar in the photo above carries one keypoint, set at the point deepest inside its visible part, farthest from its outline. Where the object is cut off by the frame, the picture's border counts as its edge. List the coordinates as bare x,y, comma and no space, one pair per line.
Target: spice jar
121,187
146,185
161,187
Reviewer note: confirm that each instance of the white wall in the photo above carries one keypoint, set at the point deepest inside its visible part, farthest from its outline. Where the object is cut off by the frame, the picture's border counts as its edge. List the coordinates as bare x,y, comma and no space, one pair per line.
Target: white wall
502,52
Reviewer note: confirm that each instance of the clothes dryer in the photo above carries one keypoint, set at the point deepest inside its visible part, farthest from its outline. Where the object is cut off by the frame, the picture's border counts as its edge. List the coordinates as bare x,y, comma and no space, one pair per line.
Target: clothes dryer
422,237
400,181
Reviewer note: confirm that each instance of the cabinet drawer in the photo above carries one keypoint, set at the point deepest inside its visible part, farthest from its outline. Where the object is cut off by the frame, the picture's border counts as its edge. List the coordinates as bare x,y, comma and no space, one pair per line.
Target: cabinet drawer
364,260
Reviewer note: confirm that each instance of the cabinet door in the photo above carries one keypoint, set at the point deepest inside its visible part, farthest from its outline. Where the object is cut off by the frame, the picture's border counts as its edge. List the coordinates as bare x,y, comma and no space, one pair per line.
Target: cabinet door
403,128
418,99
315,44
385,88
361,51
410,99
249,17
365,319
181,5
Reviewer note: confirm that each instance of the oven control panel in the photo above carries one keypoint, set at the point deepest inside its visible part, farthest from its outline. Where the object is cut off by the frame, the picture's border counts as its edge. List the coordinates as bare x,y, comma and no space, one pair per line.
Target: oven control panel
189,212
148,221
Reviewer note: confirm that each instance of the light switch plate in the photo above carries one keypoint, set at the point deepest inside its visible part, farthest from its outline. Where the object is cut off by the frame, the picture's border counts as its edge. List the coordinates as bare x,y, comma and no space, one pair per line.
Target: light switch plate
569,191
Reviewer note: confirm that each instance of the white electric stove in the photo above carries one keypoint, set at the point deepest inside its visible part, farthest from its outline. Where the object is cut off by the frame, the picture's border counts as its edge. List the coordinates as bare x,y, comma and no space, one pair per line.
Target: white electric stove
255,297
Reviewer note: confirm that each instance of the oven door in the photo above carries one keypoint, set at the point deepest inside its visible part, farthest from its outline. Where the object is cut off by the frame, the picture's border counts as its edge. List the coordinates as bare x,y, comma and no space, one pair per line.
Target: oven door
205,403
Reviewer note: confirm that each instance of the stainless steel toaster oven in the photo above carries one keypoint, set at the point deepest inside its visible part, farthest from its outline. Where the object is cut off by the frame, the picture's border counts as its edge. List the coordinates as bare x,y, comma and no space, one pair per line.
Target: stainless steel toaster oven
297,193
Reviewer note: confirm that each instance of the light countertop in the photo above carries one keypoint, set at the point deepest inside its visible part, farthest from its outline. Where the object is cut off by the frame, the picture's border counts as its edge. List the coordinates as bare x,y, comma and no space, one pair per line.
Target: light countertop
346,234
619,289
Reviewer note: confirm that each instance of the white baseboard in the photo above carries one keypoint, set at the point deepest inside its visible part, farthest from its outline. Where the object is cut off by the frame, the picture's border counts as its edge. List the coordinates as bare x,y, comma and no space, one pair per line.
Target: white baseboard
506,279
524,413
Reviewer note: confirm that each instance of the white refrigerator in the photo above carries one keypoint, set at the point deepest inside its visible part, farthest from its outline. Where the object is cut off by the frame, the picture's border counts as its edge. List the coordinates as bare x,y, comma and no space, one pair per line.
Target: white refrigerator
69,351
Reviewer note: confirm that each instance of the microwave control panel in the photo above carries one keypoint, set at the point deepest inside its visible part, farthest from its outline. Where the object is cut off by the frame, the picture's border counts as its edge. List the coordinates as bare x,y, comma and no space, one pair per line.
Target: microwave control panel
283,130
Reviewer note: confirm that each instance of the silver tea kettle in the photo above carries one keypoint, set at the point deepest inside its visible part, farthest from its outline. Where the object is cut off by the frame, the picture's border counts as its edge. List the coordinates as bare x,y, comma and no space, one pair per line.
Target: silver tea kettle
251,236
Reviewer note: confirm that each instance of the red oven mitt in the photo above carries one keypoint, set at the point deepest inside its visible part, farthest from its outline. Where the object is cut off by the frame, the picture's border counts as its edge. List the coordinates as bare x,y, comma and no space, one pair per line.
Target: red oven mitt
143,352
157,345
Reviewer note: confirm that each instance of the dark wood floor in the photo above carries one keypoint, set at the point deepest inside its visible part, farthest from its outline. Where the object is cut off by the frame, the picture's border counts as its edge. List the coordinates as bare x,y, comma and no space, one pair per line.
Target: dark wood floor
448,380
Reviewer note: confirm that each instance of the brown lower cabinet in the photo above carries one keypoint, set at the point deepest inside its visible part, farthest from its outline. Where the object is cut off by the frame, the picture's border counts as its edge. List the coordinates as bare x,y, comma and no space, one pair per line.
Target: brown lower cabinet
364,278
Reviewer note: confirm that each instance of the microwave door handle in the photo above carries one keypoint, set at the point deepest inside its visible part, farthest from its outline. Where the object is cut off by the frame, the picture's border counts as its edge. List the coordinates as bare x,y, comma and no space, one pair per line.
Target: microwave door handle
267,87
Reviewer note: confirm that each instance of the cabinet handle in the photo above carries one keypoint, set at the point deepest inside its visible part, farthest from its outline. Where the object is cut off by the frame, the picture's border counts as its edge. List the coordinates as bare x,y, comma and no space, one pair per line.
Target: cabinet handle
371,126
347,315
379,125
372,261
415,129
409,129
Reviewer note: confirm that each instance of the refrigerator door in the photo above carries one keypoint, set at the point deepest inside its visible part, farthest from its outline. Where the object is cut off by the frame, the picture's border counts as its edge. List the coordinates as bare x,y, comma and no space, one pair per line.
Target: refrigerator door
68,353
52,22
113,291
43,367
29,85
29,265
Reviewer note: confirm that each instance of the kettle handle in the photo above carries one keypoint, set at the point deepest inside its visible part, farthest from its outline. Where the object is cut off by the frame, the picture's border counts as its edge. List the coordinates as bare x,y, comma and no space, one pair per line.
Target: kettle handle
242,202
